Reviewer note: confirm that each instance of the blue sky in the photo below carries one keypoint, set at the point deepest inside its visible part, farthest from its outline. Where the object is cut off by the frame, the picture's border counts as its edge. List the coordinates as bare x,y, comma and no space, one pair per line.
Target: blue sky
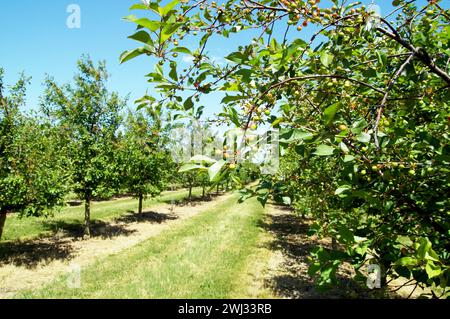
35,39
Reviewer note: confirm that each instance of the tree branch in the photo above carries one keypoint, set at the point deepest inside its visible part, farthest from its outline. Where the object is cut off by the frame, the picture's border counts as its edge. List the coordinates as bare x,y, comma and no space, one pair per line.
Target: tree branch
386,95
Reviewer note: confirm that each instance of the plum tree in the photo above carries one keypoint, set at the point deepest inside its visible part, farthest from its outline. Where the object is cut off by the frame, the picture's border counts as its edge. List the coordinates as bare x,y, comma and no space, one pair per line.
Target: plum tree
91,118
356,70
33,171
145,160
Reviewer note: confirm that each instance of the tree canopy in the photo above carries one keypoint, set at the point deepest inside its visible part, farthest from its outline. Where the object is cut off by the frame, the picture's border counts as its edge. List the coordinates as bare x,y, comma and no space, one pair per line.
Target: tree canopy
362,101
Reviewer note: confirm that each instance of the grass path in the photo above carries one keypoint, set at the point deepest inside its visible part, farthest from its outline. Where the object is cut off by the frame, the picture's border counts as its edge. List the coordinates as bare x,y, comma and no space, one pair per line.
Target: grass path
71,217
205,256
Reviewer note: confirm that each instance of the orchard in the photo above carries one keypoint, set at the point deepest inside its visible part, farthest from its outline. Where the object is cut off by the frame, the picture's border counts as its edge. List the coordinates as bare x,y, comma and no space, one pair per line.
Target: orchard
275,149
361,98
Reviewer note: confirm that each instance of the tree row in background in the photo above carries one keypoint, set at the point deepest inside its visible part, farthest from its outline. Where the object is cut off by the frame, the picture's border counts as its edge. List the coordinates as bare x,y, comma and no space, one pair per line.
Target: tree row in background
82,140
361,98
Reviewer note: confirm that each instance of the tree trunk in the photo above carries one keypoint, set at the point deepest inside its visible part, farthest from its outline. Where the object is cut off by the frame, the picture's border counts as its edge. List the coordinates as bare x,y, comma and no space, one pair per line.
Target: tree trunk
87,214
2,222
217,189
334,244
190,192
141,198
204,191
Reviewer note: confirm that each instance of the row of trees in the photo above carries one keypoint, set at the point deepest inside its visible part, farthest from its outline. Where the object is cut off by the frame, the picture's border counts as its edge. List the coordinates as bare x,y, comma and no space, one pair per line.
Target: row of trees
363,102
33,178
79,143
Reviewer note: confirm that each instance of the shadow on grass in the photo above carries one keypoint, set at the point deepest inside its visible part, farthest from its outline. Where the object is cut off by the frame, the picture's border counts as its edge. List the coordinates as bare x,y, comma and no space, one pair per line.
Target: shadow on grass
75,229
145,217
195,200
291,279
58,246
31,253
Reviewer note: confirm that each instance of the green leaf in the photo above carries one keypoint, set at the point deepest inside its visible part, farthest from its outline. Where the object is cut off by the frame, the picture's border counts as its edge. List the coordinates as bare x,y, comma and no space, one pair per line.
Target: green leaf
287,200
324,150
293,135
215,169
165,10
363,137
313,230
181,50
159,69
407,261
131,54
344,148
263,199
190,167
141,36
330,113
345,235
278,121
144,22
169,30
138,6
433,270
234,116
342,189
188,104
202,158
173,71
348,158
236,57
326,58
231,98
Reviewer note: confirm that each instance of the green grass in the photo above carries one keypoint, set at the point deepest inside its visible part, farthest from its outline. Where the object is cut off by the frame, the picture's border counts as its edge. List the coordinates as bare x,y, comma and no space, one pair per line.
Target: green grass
27,228
202,257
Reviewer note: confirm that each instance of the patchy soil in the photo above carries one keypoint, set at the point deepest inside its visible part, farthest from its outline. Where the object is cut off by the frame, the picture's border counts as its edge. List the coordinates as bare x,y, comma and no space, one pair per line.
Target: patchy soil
32,264
283,273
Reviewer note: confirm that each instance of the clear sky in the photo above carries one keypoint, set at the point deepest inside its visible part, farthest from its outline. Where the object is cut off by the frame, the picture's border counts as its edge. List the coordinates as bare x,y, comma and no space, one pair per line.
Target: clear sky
35,39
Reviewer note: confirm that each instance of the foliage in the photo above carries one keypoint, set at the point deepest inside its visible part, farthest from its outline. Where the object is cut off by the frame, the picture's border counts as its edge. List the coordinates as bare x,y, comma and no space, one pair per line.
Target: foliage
363,104
32,178
90,117
145,160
